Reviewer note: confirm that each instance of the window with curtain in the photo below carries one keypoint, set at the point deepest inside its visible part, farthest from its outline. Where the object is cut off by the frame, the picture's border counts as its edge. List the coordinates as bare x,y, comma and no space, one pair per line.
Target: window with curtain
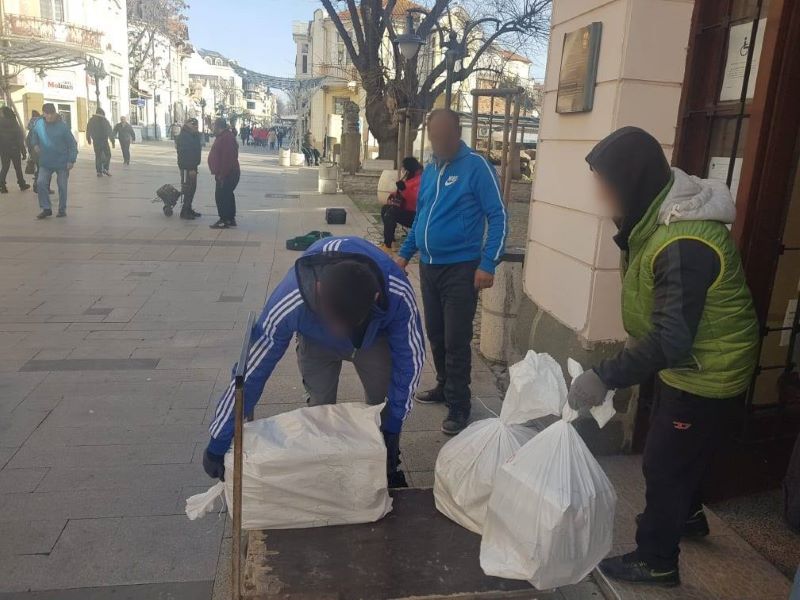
52,10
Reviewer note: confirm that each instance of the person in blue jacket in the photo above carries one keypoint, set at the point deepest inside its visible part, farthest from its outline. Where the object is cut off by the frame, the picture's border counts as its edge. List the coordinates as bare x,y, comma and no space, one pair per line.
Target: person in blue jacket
344,299
460,232
57,150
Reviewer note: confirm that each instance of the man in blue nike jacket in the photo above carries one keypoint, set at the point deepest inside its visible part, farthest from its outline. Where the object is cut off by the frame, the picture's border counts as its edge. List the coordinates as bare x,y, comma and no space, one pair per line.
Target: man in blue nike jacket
345,299
460,232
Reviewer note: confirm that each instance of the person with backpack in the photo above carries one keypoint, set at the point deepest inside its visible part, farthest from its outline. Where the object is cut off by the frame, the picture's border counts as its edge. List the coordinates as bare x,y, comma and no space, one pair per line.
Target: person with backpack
57,150
189,145
98,134
12,148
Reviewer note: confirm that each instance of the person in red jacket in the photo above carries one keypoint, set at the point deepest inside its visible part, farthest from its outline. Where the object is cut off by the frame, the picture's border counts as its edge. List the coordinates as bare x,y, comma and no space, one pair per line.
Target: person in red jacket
402,205
223,162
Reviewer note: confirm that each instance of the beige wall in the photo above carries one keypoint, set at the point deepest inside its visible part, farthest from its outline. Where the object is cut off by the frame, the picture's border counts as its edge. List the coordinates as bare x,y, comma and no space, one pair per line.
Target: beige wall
572,264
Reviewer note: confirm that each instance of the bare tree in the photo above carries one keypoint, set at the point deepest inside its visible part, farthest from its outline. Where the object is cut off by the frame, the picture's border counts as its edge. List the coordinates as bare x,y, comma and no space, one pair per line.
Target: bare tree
146,20
392,82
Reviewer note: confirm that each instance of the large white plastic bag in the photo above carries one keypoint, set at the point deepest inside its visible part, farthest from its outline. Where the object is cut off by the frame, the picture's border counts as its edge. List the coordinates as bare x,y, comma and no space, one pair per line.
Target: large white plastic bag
314,466
536,387
551,513
467,464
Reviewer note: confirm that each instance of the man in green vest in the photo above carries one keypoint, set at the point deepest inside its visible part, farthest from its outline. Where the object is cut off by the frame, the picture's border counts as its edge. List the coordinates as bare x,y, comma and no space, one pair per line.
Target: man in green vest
690,318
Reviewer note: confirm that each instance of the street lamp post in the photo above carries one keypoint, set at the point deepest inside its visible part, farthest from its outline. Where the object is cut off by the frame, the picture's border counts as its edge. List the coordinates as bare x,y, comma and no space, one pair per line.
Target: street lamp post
203,118
453,54
95,68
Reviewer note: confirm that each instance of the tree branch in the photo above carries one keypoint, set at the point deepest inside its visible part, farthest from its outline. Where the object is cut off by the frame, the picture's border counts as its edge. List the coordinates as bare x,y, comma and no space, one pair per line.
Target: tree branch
358,27
357,59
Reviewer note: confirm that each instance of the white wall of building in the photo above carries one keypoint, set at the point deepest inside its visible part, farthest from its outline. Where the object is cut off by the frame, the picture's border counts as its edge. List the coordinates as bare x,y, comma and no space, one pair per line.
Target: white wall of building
572,263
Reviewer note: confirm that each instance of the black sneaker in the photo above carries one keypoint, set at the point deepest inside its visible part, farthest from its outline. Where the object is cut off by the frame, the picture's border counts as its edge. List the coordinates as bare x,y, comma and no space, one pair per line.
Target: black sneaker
106,173
196,214
432,396
24,186
61,213
629,567
397,480
187,214
696,526
231,222
220,224
44,214
456,421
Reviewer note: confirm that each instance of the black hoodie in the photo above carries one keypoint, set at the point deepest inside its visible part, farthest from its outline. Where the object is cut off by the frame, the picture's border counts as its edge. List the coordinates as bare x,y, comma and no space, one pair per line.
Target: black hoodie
632,163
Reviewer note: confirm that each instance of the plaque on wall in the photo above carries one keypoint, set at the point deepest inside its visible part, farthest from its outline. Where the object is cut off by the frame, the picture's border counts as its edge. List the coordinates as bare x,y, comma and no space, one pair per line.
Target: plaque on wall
736,63
578,73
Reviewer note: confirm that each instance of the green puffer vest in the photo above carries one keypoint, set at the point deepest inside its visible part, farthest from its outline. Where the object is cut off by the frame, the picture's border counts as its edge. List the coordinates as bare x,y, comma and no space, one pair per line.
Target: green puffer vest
725,349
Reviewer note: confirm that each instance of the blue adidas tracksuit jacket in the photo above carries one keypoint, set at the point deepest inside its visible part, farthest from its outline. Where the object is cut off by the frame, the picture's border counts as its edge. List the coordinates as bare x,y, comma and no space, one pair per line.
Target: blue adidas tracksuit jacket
459,201
289,311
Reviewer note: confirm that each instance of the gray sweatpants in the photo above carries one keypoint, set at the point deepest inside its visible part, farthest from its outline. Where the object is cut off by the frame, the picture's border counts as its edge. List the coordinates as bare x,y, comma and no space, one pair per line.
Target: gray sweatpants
320,367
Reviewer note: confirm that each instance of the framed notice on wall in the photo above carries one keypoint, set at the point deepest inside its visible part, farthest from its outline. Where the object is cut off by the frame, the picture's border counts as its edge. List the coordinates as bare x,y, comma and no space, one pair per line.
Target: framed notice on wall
578,73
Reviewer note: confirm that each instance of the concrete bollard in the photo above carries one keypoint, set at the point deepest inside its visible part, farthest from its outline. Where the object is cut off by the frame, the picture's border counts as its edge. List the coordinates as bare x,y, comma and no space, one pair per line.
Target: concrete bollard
284,157
328,178
500,307
298,159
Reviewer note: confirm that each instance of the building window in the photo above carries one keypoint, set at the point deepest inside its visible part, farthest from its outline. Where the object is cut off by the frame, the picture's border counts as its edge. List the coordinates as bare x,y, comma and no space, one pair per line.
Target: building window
52,10
339,104
251,105
305,64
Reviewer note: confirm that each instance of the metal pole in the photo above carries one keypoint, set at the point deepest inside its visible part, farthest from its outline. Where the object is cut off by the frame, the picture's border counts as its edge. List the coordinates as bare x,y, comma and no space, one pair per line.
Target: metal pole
474,137
400,138
408,145
513,150
422,137
238,443
504,149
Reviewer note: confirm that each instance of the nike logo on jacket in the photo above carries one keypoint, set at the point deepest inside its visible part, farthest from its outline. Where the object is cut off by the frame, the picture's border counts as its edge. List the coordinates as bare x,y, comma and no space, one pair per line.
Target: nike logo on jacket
459,204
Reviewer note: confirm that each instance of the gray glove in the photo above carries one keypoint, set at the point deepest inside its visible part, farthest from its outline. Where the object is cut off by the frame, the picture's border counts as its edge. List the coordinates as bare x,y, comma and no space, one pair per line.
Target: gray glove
586,391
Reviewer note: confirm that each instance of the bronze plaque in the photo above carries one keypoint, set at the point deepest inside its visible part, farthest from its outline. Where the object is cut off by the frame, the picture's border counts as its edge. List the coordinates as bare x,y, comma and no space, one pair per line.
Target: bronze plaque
578,73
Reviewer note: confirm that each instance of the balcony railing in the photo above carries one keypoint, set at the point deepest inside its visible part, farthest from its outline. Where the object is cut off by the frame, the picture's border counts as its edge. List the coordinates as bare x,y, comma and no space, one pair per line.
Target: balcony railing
35,28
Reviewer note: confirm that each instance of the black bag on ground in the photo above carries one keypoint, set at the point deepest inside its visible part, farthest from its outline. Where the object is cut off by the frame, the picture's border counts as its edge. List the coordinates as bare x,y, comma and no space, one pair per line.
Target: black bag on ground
335,216
169,195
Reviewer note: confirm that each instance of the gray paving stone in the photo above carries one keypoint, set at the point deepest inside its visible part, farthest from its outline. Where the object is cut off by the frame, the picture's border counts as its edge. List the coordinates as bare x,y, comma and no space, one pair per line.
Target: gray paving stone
191,590
91,364
162,478
14,479
46,454
29,537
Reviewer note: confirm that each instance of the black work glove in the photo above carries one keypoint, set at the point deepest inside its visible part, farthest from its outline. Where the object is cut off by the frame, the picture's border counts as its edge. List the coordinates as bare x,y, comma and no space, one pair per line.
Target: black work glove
214,464
401,185
587,390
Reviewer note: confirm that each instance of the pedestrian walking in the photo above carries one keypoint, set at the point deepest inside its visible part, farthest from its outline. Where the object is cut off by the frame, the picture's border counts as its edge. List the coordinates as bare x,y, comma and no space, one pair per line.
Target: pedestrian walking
459,231
33,157
693,329
124,134
401,207
57,150
12,148
343,300
244,133
223,161
99,134
189,145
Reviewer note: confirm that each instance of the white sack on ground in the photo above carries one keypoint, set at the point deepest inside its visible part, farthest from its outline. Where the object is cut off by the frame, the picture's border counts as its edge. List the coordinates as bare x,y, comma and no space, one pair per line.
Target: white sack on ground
467,464
551,514
311,467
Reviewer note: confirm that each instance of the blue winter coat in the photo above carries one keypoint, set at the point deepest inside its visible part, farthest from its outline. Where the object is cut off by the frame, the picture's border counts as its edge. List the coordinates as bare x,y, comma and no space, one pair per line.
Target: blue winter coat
290,310
459,203
57,145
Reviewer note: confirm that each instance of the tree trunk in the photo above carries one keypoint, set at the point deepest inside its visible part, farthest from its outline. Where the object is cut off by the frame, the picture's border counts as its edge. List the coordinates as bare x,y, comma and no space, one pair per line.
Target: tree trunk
388,149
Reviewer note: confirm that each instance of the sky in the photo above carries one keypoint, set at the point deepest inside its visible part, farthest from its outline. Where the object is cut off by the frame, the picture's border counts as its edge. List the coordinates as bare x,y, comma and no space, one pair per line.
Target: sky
258,33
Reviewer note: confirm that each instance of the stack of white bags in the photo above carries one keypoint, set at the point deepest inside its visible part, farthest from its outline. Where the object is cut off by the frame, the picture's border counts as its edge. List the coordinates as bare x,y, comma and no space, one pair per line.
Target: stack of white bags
541,501
311,467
